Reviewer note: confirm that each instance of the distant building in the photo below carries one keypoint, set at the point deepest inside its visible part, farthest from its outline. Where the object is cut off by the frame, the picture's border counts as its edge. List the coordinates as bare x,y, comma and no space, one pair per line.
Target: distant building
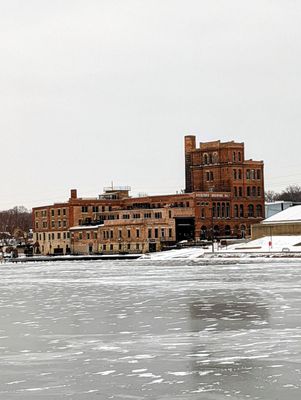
224,197
278,206
284,223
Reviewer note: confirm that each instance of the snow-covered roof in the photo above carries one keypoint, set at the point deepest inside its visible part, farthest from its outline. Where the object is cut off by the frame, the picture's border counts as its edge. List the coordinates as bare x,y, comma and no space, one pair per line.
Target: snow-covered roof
85,227
291,214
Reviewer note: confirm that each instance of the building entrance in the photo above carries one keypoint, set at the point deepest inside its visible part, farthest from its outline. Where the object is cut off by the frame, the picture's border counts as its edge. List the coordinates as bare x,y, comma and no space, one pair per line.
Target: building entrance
185,229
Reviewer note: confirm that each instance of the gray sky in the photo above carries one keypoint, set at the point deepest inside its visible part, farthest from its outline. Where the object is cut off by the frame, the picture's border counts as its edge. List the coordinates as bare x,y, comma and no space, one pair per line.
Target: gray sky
100,90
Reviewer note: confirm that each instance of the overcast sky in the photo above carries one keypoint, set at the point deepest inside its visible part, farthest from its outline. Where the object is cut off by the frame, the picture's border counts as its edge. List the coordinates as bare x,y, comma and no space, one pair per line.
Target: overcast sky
94,91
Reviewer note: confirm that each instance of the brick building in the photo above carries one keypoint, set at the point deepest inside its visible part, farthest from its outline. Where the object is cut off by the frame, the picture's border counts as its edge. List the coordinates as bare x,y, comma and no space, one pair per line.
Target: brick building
224,196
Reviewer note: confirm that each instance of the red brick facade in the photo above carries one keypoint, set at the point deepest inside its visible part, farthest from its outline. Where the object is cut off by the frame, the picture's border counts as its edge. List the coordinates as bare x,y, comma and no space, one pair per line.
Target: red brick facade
224,197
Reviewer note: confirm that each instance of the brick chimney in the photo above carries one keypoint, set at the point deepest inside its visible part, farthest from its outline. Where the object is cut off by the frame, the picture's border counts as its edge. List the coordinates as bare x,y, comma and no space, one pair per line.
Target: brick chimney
73,194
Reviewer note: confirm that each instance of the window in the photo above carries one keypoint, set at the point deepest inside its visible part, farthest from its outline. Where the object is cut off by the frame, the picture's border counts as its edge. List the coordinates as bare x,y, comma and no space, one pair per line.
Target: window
59,235
95,235
64,211
202,213
234,174
207,176
158,215
58,211
111,234
129,246
170,232
147,215
235,191
248,174
59,224
129,233
239,174
68,235
64,235
137,246
137,233
95,209
52,224
234,156
250,210
258,174
240,191
253,191
241,211
258,191
104,247
80,235
236,211
211,176
205,159
52,236
136,216
37,214
37,225
126,216
162,232
52,213
156,233
64,223
120,234
84,209
88,236
149,233
248,191
239,156
111,247
259,211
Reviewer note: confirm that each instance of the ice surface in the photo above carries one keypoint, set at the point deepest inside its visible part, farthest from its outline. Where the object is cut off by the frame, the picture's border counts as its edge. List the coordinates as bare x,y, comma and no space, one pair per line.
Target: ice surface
188,330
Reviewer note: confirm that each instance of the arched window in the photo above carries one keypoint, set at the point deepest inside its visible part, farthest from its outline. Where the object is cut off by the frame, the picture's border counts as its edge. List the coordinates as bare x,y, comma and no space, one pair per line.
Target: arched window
203,232
218,210
243,231
250,210
259,211
228,210
210,158
236,211
223,210
227,230
215,157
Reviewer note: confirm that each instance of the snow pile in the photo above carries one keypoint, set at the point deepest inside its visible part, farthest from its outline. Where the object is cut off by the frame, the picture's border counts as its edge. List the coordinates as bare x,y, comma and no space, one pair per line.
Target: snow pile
187,254
288,215
270,243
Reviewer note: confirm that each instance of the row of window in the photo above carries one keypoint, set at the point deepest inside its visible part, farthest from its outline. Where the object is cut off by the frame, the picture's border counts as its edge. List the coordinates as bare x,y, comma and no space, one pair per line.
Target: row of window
52,236
250,174
129,246
251,210
58,224
152,233
222,210
104,217
254,191
53,211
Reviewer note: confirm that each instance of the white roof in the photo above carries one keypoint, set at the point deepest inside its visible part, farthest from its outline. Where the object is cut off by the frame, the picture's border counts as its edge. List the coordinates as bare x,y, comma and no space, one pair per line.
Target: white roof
289,215
85,227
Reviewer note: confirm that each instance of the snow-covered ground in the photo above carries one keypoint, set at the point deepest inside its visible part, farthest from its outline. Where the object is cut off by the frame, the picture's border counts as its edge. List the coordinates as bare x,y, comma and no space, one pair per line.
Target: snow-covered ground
275,244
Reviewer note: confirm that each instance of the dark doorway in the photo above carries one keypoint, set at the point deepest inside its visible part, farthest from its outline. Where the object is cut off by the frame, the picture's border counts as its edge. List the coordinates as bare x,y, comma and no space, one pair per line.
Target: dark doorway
58,251
152,247
185,229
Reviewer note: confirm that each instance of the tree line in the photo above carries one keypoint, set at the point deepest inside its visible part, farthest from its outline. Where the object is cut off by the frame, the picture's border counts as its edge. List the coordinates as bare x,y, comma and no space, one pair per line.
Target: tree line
15,221
291,193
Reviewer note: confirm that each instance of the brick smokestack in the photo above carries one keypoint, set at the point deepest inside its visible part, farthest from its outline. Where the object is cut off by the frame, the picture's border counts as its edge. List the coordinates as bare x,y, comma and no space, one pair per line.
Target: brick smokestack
73,194
190,146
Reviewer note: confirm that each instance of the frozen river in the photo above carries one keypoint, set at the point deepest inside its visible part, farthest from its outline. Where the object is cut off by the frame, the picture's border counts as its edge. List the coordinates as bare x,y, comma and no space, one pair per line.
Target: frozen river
135,330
